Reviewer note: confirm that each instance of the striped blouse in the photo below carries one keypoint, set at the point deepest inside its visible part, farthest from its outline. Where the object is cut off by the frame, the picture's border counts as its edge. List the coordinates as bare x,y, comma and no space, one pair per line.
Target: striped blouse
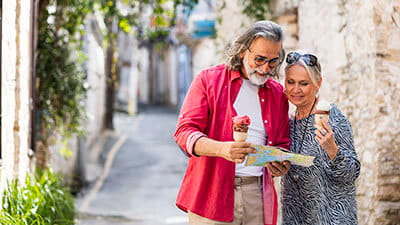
324,193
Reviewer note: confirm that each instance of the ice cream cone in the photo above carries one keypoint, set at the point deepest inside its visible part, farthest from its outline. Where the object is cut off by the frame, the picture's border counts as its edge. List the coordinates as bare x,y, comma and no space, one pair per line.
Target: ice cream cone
239,136
319,117
240,127
322,112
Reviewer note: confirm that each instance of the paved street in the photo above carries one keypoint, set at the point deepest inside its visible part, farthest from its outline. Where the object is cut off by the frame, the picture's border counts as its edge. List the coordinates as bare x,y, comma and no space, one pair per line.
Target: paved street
143,168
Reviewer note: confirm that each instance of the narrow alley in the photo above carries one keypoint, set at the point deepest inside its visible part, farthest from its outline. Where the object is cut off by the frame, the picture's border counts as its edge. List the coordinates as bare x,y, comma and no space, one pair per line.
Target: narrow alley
91,89
144,176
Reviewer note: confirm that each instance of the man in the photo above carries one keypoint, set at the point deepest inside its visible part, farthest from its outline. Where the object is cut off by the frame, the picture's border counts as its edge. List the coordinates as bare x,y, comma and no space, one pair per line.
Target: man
217,188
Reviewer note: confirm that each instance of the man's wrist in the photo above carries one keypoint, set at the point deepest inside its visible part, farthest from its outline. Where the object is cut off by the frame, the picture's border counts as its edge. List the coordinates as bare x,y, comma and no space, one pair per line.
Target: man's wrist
221,149
209,147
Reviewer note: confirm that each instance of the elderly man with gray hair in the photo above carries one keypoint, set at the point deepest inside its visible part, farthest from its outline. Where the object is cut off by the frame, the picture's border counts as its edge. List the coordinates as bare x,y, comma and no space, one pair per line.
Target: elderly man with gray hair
218,188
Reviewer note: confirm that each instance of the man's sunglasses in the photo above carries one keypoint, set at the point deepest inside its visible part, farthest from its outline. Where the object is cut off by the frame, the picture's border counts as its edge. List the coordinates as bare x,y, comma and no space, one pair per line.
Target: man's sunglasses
310,60
261,60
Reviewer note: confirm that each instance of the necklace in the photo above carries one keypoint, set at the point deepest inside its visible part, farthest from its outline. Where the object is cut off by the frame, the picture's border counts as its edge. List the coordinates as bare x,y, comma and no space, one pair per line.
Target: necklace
305,128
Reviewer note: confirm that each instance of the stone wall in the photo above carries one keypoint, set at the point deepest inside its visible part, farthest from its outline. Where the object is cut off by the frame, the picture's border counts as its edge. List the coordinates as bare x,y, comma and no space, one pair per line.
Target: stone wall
387,133
358,45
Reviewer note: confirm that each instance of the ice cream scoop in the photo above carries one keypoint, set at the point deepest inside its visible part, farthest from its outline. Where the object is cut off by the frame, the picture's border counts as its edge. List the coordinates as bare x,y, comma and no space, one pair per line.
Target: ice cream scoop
240,127
322,112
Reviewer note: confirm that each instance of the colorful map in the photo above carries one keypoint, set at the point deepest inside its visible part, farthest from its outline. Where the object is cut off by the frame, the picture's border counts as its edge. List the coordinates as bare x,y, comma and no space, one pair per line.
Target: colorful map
271,154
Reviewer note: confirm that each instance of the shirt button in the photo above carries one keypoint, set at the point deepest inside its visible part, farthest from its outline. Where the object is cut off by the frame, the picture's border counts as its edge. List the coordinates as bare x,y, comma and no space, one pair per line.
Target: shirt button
270,142
262,100
265,121
295,177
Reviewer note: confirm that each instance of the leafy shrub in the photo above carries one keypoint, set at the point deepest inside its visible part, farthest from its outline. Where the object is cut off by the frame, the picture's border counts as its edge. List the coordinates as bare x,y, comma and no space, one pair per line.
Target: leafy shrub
41,200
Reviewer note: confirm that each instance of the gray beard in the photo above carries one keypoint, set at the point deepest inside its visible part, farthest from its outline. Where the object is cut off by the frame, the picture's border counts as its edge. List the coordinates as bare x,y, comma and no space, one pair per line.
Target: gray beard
253,77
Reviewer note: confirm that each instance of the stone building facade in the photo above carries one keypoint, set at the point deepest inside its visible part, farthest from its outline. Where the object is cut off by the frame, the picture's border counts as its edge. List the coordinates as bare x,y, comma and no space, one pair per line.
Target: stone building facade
358,45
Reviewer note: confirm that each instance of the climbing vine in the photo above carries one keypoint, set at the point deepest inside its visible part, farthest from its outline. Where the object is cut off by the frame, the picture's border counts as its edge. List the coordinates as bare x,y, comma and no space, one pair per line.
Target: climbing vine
61,81
256,9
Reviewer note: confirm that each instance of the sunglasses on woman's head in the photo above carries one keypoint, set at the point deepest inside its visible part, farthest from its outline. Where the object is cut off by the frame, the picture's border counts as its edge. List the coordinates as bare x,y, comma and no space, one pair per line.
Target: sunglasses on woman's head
310,60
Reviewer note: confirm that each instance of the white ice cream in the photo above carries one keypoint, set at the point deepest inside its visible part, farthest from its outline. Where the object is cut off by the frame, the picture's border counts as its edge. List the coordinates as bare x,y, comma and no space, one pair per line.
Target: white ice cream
323,105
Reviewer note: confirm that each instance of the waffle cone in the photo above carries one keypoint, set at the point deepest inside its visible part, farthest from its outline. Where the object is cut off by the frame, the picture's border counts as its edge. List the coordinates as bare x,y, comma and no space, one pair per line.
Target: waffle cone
320,117
239,136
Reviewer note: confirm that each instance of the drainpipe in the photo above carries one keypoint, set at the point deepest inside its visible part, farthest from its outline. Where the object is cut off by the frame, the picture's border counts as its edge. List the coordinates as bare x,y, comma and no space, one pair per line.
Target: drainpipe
34,41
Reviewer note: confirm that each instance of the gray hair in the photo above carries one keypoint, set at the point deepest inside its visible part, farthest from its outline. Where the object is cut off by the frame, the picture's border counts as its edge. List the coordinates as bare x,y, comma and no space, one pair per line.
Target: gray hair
313,71
266,29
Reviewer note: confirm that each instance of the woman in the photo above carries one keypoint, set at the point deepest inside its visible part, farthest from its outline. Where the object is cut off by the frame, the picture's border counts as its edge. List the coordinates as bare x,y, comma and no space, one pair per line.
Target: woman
325,192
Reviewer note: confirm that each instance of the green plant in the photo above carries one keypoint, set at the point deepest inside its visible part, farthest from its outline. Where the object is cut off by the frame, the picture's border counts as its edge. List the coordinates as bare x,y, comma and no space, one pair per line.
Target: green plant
61,86
41,200
61,80
256,9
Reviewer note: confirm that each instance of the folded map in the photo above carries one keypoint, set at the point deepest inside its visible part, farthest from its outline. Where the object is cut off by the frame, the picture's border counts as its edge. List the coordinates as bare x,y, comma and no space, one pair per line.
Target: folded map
271,154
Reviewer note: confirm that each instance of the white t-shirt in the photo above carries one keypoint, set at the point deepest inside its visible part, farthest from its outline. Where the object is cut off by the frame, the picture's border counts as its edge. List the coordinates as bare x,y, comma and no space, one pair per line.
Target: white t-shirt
248,103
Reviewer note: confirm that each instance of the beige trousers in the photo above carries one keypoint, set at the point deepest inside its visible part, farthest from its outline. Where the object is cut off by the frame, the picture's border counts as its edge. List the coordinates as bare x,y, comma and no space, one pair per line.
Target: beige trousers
248,205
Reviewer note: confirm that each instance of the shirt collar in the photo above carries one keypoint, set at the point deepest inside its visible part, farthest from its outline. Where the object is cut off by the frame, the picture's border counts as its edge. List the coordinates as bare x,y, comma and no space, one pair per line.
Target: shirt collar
235,74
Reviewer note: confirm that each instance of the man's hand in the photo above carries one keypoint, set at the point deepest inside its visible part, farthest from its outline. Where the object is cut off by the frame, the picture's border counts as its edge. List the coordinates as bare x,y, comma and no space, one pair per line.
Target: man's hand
232,151
278,169
236,151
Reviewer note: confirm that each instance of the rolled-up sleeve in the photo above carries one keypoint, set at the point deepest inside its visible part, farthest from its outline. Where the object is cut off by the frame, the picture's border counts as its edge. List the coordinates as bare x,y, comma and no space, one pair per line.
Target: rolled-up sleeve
193,118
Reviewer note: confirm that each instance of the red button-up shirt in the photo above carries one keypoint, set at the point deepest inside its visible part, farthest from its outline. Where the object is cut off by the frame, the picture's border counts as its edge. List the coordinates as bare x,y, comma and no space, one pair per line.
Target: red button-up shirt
208,185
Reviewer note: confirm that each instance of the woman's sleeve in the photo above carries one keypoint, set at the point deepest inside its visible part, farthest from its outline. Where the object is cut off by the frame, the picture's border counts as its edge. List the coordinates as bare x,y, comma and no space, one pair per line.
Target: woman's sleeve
345,167
193,117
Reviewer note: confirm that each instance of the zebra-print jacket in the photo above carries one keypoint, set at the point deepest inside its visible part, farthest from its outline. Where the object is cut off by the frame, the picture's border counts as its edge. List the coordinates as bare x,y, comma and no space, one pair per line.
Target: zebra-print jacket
324,193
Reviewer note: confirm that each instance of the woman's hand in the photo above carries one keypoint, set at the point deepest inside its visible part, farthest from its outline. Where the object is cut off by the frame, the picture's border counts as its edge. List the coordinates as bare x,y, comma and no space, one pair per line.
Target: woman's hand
236,151
278,169
326,139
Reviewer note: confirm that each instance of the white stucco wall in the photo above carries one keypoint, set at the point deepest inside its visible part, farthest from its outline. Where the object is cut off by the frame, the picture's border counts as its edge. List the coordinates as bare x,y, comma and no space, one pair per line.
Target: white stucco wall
172,70
25,86
230,23
143,71
133,91
96,81
127,93
15,70
205,55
